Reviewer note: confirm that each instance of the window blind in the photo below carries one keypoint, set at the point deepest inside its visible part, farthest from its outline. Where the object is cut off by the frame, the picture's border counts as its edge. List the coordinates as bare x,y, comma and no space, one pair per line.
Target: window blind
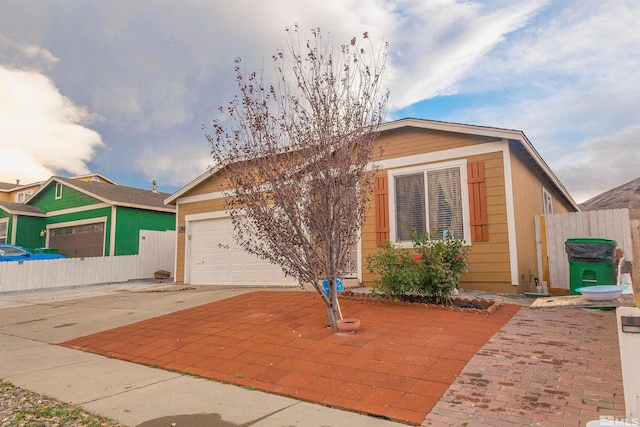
445,203
410,205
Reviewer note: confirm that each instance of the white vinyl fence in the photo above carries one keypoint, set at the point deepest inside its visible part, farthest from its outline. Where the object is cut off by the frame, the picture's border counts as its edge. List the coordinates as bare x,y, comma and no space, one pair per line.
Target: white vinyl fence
557,228
157,252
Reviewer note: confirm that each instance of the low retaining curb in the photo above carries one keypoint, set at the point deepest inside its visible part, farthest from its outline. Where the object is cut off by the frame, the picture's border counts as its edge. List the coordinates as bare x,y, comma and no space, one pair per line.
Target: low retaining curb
488,306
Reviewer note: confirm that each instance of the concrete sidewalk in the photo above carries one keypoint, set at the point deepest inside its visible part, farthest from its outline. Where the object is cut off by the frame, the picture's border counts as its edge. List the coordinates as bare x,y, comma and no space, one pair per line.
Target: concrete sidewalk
130,393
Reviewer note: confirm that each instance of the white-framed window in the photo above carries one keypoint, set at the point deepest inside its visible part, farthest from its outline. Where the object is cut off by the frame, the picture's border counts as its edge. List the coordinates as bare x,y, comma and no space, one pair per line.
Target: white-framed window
23,196
547,201
58,191
429,198
4,226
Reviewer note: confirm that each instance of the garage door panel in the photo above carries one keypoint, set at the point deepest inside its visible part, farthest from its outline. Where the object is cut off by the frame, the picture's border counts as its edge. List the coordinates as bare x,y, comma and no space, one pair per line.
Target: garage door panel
86,240
215,259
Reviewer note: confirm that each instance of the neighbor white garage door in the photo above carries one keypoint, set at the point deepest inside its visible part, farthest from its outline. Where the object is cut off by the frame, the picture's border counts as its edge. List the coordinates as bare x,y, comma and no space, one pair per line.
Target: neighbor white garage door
211,263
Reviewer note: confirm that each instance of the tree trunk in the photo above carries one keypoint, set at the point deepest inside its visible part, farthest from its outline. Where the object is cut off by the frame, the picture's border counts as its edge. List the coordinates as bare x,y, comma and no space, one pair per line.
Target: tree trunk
332,304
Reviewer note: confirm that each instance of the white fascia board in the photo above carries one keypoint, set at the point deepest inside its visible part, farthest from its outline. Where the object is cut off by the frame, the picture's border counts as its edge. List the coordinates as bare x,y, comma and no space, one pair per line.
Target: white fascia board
144,207
42,187
112,232
171,199
547,170
78,209
444,155
451,127
200,198
77,222
14,229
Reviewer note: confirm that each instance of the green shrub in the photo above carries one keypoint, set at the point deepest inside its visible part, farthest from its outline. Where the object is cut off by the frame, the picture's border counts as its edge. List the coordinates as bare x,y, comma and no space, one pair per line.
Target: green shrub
396,271
434,276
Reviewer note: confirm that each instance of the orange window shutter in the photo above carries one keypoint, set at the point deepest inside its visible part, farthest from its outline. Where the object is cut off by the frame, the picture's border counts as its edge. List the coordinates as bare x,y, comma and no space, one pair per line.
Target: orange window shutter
382,209
477,202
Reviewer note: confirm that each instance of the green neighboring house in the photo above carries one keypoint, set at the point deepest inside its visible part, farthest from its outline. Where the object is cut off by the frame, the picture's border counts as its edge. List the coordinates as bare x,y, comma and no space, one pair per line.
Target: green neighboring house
85,218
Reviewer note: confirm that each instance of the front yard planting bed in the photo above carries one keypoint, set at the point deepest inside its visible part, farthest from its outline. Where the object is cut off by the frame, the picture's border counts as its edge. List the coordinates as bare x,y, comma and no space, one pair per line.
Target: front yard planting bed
463,305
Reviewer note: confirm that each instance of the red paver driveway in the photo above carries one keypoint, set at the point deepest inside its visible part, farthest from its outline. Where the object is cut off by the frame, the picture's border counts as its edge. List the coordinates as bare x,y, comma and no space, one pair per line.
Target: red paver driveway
398,364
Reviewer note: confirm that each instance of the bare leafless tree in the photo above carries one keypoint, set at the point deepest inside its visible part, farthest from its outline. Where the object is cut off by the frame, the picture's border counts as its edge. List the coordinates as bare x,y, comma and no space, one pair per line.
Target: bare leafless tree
298,155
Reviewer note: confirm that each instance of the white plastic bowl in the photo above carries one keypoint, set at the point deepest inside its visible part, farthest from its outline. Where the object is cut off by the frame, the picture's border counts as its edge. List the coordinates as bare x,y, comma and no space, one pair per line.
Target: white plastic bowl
602,292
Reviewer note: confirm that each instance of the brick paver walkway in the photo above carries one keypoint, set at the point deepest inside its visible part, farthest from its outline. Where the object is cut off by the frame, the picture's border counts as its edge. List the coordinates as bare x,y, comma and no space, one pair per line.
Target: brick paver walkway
398,365
546,367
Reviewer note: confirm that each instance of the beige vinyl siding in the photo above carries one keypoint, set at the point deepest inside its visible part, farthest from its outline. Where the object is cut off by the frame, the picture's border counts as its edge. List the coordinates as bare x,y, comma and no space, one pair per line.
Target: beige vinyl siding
213,184
528,202
489,262
407,142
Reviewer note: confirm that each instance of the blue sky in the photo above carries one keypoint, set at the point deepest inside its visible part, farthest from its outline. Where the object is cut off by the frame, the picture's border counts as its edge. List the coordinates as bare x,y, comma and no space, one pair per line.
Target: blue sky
122,88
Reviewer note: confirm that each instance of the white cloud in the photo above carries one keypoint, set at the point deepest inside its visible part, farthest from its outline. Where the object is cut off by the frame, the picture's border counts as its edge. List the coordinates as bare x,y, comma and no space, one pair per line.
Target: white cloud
42,131
436,44
602,164
563,72
570,82
175,163
25,56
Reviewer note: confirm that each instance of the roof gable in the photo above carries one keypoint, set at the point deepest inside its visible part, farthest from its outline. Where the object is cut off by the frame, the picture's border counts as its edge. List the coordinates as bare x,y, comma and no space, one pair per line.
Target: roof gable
108,193
516,136
46,198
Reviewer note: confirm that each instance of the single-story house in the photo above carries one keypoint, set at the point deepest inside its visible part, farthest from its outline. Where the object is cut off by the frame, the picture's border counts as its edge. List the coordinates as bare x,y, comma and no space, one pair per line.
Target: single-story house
85,217
482,184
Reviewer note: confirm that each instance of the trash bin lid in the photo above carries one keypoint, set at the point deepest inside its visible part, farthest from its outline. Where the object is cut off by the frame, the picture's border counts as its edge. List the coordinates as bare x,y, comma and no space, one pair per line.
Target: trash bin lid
596,240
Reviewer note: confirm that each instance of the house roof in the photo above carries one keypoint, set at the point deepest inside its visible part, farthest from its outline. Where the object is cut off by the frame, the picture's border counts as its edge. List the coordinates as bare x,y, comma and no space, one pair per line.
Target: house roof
20,209
508,134
7,186
118,195
102,177
623,196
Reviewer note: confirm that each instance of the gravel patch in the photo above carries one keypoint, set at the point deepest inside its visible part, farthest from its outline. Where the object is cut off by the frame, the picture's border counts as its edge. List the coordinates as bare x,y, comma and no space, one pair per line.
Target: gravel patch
20,407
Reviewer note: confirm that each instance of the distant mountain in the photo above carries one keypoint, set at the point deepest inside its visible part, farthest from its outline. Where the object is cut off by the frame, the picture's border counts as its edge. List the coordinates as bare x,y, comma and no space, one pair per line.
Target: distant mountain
624,196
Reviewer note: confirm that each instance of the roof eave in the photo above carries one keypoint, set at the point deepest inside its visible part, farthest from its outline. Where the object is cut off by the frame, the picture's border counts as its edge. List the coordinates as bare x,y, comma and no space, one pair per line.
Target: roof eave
144,207
514,135
175,196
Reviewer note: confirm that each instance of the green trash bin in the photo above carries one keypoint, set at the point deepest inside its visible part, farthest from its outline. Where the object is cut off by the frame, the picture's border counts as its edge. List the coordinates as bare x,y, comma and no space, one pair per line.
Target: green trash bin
45,251
592,261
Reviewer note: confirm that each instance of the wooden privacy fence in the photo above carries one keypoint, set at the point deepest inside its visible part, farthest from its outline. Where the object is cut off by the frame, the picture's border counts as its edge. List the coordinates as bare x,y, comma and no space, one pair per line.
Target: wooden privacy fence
552,231
157,252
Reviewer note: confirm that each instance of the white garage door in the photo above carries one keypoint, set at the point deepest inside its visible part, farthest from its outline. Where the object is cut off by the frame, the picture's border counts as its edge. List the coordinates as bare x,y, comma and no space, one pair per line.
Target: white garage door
210,262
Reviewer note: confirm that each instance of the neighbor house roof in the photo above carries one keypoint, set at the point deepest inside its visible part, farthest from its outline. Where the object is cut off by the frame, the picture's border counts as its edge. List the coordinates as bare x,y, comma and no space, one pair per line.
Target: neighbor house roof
623,196
508,134
20,209
7,186
91,175
118,195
